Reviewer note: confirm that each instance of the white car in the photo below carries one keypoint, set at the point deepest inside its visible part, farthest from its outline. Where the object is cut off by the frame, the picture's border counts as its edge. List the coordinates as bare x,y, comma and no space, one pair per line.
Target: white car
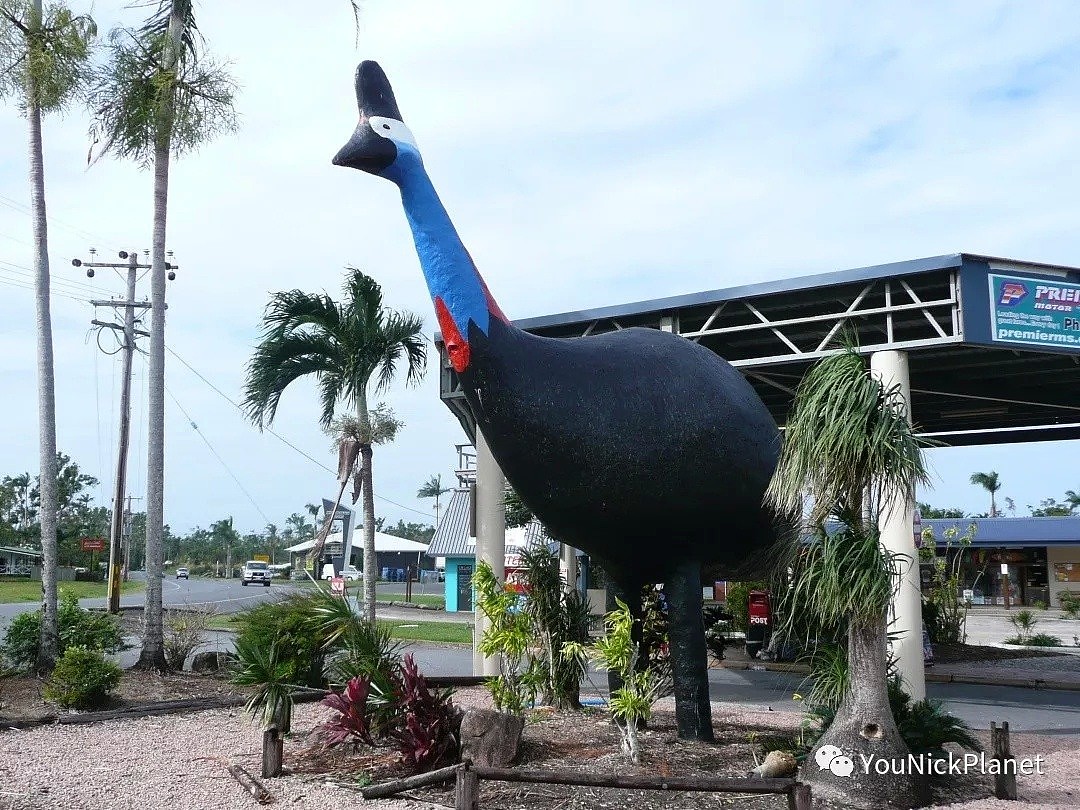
182,572
256,571
349,572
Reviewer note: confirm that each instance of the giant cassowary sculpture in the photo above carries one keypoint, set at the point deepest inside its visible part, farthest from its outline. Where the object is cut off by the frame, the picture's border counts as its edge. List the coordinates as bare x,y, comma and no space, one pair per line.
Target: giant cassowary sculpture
640,447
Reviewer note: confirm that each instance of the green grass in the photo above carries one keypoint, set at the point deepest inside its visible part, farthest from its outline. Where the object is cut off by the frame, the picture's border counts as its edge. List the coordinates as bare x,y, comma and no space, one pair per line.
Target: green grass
222,621
28,591
446,632
428,600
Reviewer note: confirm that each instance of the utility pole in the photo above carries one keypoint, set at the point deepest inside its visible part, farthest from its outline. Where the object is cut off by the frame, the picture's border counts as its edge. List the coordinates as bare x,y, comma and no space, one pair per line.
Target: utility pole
130,333
125,564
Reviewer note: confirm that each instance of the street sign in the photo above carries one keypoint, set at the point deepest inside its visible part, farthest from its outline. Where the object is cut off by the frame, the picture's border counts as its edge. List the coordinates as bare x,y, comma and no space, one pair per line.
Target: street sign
261,557
337,586
92,543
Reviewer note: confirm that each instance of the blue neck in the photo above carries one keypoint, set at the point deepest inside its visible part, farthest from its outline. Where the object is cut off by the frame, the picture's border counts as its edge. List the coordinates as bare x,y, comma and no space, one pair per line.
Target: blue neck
448,268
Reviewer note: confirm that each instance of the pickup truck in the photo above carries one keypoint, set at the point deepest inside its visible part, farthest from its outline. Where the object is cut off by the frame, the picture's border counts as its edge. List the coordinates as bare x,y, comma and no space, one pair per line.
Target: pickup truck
256,571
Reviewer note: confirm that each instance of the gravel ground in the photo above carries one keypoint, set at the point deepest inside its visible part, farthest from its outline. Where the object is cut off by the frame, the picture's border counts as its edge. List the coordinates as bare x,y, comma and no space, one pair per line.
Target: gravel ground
179,762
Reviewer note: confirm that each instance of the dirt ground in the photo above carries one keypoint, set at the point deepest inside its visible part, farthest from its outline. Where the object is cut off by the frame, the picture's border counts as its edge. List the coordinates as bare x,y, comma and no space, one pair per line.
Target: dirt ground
21,700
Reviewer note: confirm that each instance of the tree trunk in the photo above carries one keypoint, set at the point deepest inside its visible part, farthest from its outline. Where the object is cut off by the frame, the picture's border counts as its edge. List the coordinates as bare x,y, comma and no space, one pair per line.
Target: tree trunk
370,563
49,645
153,652
864,732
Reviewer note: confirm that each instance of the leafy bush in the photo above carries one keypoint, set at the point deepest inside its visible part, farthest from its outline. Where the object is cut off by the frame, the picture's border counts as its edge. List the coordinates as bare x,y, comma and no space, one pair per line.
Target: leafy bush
557,618
738,602
94,630
289,626
420,723
318,639
1035,640
925,725
509,636
829,675
1070,603
1024,621
632,703
716,639
82,679
185,630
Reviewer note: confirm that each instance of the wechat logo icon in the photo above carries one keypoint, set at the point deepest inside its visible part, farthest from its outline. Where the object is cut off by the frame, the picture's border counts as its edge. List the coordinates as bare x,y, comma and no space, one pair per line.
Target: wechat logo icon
831,758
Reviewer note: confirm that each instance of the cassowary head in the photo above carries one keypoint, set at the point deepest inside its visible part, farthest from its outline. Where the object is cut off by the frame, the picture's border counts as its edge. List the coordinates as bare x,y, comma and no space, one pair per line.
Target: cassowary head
381,144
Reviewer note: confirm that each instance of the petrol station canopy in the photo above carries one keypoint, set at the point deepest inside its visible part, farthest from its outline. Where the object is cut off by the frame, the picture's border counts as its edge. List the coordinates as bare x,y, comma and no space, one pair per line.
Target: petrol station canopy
993,344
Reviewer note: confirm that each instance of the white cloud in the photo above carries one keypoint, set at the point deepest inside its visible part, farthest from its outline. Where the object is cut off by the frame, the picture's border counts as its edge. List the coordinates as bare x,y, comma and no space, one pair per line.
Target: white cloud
590,154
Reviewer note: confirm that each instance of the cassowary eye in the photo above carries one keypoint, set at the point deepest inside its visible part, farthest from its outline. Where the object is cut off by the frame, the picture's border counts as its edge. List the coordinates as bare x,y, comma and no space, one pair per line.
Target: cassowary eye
386,126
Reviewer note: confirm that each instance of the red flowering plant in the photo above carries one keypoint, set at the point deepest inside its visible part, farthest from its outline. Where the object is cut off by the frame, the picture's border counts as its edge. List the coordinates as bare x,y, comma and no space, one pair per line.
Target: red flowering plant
419,722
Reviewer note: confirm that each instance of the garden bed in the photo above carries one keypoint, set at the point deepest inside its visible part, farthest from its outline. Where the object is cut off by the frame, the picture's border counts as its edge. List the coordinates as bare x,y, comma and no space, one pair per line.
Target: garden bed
21,700
179,762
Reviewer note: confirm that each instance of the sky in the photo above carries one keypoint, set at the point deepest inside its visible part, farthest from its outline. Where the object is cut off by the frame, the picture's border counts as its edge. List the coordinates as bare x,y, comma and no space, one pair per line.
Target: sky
589,153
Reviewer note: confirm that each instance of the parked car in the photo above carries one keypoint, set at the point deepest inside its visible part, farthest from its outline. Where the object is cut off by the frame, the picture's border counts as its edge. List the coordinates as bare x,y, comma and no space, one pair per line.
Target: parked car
182,573
256,571
349,572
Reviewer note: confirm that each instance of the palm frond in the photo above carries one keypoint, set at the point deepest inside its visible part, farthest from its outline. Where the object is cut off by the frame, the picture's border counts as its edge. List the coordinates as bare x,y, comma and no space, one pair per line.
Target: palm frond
848,441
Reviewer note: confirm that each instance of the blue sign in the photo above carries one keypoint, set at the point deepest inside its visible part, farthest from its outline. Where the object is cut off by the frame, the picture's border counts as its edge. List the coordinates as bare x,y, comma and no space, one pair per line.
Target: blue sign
1034,312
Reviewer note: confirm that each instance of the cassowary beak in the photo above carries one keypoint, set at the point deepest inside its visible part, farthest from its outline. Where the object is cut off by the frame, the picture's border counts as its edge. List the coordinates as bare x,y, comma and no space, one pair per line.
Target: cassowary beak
374,96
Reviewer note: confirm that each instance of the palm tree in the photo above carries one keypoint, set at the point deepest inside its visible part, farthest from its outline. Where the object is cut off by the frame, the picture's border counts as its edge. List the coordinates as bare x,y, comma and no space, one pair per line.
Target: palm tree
44,63
1072,500
348,347
159,96
851,467
433,489
988,481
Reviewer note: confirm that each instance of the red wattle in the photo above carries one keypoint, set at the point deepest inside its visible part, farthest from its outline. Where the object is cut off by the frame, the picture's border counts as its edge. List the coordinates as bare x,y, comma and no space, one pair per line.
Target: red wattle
457,347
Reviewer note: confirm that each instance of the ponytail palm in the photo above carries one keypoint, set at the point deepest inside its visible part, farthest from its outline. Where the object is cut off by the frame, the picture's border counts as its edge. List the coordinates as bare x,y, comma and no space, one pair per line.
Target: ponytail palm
351,348
851,451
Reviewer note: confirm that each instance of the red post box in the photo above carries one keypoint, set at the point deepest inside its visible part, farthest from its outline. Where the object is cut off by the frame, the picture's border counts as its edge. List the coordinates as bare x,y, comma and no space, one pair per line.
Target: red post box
760,619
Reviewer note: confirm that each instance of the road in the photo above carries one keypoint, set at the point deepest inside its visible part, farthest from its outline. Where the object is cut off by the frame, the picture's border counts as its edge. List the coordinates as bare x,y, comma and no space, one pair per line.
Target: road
224,595
1034,710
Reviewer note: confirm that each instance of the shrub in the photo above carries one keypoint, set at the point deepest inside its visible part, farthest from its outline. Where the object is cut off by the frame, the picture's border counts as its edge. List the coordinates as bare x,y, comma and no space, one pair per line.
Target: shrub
290,626
1036,640
94,630
82,679
1024,621
185,630
925,725
738,602
420,723
1070,603
509,636
716,639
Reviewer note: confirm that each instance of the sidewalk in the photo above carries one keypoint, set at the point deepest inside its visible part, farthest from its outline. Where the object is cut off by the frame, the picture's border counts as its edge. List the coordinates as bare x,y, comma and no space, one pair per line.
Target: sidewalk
1043,672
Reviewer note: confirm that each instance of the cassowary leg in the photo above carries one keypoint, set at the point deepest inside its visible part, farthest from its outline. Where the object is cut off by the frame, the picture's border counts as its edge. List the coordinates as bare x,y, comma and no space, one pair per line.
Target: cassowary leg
689,669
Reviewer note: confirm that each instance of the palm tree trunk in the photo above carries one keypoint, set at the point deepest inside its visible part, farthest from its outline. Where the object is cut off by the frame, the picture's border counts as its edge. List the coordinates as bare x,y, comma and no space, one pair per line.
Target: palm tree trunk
864,729
370,572
48,648
993,504
153,652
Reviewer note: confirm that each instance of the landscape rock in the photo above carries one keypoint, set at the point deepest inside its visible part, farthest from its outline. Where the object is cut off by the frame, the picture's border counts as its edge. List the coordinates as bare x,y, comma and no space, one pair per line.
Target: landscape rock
207,663
776,764
490,738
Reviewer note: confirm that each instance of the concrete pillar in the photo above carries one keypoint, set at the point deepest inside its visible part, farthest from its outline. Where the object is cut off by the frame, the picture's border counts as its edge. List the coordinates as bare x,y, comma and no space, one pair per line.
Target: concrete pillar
569,563
490,539
897,535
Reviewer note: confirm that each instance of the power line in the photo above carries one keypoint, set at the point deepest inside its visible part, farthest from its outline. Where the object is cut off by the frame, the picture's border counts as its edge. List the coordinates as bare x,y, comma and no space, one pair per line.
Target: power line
23,208
281,438
202,436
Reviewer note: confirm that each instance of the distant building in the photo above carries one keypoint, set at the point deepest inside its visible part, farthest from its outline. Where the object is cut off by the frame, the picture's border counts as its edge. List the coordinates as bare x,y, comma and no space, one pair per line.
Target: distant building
392,553
19,562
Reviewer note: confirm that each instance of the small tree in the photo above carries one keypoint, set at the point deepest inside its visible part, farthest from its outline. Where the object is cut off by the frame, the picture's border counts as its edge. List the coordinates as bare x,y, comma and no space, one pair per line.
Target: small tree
942,603
509,636
631,704
349,348
849,446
